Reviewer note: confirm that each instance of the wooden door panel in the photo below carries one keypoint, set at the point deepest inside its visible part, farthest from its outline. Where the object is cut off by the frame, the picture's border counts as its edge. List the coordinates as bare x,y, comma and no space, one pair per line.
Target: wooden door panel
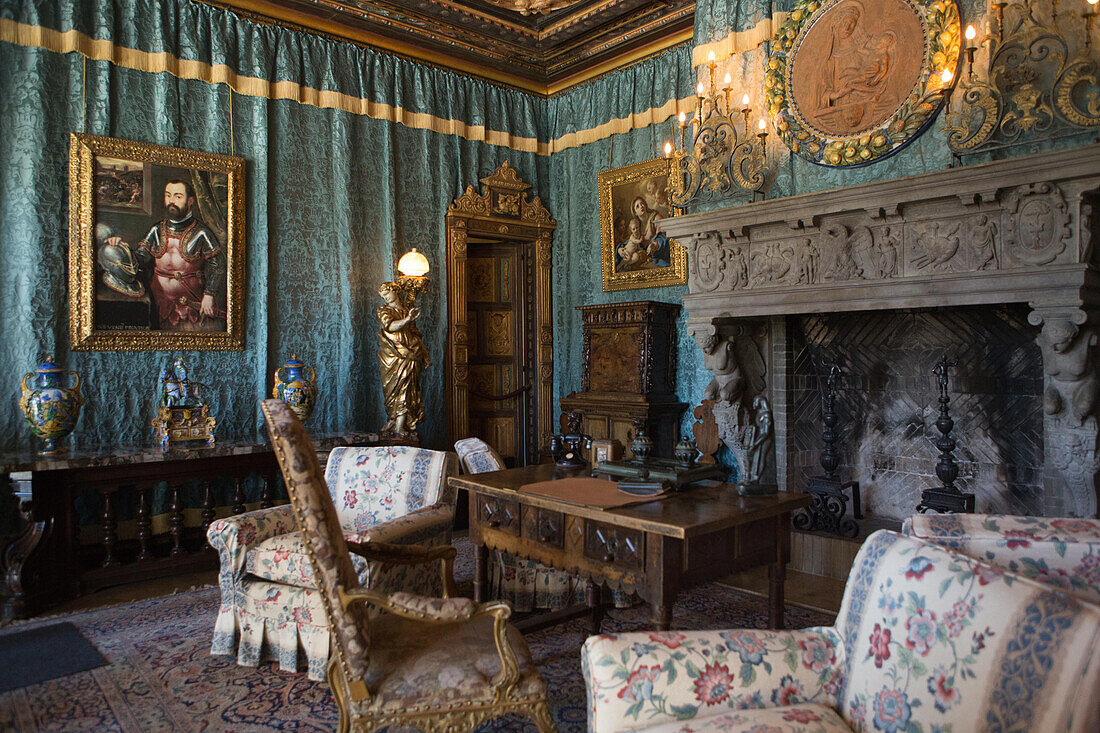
495,303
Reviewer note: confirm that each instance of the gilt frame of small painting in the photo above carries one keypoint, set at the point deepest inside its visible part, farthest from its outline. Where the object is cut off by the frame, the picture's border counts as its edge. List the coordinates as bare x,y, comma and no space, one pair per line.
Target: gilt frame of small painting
635,250
156,247
850,82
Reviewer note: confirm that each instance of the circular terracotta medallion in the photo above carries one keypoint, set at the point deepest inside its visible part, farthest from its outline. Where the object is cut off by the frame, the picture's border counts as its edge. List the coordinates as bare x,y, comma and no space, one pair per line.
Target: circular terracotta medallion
852,81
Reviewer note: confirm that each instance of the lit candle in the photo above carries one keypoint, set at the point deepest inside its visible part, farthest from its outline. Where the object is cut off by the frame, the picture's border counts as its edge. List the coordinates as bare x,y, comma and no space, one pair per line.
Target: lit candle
762,125
970,32
728,80
946,76
710,57
744,100
668,150
683,119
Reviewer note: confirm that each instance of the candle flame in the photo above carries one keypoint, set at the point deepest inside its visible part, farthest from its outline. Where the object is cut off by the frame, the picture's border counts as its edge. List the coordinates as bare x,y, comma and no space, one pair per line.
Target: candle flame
970,32
761,124
728,80
699,89
668,149
946,75
683,118
745,100
710,57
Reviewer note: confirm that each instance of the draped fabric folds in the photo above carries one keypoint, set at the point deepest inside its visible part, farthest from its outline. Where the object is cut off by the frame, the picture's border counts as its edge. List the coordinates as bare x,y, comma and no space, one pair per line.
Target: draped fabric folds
333,196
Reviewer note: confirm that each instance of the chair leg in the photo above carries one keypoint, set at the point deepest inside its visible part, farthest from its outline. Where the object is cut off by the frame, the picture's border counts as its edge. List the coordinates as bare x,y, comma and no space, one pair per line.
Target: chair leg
336,684
542,719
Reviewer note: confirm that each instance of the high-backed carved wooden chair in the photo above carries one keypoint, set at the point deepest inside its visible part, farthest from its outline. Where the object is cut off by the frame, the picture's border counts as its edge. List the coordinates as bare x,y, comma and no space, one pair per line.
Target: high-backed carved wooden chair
437,664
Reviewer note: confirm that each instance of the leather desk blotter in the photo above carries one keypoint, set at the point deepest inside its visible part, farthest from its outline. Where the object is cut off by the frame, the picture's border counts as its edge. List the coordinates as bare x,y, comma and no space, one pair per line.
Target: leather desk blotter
592,492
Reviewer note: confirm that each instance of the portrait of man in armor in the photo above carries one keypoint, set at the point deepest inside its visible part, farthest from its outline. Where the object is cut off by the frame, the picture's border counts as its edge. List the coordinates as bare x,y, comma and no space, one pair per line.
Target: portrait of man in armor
168,274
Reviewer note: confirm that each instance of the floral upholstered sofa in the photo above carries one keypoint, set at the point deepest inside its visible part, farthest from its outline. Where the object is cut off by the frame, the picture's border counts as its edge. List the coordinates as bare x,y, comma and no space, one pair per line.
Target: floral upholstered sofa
1064,553
926,640
270,606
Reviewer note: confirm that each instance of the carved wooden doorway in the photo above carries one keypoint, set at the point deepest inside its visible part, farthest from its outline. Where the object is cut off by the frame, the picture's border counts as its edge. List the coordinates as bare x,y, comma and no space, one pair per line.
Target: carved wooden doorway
500,360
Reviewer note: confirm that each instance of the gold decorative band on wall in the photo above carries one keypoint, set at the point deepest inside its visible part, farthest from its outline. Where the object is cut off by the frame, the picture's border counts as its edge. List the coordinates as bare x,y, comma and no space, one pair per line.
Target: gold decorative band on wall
739,41
72,41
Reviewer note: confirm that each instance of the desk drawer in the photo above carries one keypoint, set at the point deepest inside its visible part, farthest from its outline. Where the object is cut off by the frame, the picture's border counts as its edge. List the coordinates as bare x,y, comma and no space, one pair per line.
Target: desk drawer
616,545
498,514
543,526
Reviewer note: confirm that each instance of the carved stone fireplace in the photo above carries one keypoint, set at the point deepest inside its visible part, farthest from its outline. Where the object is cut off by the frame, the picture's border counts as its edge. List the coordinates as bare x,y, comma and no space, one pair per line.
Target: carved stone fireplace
992,264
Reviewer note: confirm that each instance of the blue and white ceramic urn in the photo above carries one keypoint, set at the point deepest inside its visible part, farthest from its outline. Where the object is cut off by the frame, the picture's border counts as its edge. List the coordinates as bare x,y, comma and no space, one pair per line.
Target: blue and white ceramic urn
49,408
294,388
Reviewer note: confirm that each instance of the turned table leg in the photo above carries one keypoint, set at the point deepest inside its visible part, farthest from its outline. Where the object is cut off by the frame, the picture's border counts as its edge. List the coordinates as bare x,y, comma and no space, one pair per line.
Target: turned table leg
595,607
481,572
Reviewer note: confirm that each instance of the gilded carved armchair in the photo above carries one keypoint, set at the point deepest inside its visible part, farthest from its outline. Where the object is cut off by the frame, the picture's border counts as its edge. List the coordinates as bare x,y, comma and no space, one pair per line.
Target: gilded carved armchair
271,607
437,664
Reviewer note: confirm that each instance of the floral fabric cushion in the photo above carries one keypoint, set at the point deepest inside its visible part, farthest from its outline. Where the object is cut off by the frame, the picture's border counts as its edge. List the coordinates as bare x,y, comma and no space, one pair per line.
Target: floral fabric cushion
283,559
936,640
373,485
477,456
801,718
638,680
1064,553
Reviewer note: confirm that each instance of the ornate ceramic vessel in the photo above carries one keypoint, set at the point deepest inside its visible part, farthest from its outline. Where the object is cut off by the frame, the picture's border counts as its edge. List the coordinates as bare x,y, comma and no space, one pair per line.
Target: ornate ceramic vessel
293,388
49,408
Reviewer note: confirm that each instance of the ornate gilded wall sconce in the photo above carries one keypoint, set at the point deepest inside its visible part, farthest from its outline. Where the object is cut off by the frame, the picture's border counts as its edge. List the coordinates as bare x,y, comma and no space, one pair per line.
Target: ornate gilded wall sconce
725,153
1038,78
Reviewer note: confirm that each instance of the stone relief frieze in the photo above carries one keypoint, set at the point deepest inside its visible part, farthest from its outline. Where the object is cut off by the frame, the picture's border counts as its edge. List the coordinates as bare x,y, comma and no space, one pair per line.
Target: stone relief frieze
885,253
845,247
982,237
771,265
935,246
708,261
1037,223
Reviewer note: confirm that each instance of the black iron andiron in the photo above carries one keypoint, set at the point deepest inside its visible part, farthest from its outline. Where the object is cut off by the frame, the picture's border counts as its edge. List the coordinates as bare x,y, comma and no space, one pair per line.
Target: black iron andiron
830,502
948,498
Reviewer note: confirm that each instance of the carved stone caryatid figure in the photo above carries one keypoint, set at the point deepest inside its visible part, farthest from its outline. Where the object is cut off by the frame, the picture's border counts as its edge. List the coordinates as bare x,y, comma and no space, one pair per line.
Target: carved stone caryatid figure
1068,361
737,365
402,355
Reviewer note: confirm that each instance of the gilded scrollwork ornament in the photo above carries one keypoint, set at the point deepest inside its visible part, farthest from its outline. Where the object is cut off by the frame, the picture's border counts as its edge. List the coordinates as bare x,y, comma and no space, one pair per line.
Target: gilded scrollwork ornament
1037,76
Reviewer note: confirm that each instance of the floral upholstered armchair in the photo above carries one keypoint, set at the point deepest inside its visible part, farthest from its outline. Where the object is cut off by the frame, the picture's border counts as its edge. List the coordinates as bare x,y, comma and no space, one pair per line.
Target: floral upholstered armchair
270,605
435,664
1062,552
926,640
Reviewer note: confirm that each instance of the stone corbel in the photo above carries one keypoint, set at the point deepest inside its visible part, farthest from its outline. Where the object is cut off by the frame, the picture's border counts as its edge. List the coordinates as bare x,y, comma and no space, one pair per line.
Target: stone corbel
1068,338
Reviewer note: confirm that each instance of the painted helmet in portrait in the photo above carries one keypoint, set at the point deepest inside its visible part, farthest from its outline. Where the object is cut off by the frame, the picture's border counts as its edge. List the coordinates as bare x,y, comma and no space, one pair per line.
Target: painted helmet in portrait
119,269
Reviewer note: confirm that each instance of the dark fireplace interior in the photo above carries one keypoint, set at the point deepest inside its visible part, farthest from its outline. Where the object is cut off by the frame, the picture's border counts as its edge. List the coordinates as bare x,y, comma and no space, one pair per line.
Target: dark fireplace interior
888,403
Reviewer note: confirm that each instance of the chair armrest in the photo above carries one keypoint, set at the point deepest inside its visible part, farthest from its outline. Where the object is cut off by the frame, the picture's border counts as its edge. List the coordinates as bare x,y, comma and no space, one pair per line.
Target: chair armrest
412,555
648,678
413,528
234,536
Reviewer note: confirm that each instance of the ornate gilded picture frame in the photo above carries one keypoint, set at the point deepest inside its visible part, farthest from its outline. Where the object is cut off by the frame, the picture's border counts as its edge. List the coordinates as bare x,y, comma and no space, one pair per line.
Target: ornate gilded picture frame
850,82
635,250
156,247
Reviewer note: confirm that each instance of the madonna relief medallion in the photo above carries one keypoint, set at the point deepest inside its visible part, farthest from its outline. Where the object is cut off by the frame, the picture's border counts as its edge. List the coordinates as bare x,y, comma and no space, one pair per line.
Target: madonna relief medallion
850,82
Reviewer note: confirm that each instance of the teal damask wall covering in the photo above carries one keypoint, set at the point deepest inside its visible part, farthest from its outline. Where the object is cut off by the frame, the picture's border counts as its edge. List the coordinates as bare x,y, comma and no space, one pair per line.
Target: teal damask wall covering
333,195
332,198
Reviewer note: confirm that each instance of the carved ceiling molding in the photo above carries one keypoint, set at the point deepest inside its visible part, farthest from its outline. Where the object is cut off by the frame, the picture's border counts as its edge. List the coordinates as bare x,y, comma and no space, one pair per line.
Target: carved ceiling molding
556,44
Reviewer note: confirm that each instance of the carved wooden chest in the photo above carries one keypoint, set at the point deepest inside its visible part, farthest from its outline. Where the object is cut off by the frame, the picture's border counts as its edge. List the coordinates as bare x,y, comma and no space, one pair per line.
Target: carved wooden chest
629,373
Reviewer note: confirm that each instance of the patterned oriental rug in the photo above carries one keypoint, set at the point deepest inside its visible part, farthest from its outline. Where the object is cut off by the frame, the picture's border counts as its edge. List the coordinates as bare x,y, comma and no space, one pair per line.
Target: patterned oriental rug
161,676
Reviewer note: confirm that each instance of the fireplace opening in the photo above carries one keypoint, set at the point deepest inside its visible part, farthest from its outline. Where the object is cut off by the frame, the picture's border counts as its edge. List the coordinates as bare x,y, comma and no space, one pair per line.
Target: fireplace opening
887,402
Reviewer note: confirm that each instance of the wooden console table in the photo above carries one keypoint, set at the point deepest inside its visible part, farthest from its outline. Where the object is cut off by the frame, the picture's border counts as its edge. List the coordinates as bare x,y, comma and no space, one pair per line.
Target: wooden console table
653,549
45,563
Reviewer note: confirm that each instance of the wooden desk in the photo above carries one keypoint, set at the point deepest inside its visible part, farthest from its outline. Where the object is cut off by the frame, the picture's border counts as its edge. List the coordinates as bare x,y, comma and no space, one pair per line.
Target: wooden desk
653,549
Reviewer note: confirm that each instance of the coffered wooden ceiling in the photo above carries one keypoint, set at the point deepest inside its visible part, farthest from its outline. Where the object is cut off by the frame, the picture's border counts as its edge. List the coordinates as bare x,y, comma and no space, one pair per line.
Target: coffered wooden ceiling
539,45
